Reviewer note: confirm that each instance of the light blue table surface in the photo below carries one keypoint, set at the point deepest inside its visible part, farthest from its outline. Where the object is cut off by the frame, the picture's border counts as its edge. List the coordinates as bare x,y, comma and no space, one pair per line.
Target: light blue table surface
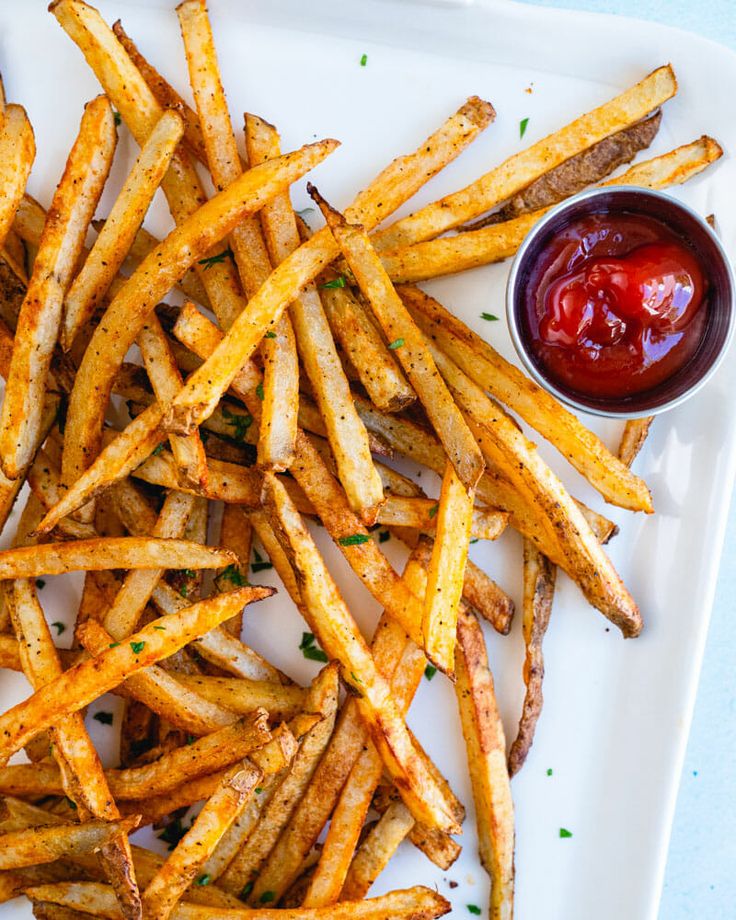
700,881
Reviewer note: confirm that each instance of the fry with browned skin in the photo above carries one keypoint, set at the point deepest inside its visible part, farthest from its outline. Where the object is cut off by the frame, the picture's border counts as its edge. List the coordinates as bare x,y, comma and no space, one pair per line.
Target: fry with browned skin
17,153
632,440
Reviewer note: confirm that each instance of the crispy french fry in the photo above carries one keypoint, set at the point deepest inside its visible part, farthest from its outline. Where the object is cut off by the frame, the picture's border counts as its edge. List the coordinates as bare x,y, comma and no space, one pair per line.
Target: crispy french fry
376,850
539,589
521,169
17,153
416,903
488,369
422,514
61,243
88,680
181,868
407,341
41,845
633,438
474,248
108,253
242,695
446,571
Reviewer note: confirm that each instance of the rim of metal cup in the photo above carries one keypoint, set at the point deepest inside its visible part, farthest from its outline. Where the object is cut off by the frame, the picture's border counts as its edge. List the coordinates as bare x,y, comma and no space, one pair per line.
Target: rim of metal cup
525,251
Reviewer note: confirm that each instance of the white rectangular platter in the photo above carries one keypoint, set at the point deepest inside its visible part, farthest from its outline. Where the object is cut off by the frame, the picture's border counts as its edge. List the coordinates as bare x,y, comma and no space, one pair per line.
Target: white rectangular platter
617,713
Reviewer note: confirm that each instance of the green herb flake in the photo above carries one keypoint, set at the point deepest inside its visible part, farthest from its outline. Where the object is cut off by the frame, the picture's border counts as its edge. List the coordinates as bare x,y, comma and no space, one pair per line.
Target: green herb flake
433,511
240,422
104,718
338,282
397,343
354,539
259,564
172,833
363,60
522,126
384,536
184,590
158,450
40,584
204,879
474,909
310,649
137,647
430,671
474,540
270,335
233,574
113,645
489,317
247,888
564,832
71,803
59,627
267,897
160,628
259,790
116,116
259,392
549,771
217,259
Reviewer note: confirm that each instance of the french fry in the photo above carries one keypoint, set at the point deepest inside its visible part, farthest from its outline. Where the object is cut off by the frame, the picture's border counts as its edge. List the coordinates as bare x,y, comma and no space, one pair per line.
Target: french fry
181,868
108,553
521,169
166,96
71,210
446,571
241,695
474,248
486,748
337,634
284,797
108,253
481,362
377,369
88,680
422,514
416,903
633,438
376,850
408,343
17,153
41,845
539,589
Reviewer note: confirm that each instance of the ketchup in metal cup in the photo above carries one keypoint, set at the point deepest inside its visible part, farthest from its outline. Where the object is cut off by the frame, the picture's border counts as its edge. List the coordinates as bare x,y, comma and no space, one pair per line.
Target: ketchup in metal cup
615,304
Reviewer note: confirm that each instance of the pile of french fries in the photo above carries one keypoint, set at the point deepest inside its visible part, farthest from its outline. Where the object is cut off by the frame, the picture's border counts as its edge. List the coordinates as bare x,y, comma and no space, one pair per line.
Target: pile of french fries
295,368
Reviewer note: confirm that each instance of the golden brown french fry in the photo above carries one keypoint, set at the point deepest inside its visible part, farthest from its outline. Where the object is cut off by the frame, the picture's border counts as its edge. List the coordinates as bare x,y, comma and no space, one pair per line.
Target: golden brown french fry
539,589
408,343
391,187
486,749
166,96
416,903
242,695
17,153
421,514
88,680
376,850
474,248
182,867
377,369
345,431
111,246
523,168
483,364
61,243
446,571
632,440
41,845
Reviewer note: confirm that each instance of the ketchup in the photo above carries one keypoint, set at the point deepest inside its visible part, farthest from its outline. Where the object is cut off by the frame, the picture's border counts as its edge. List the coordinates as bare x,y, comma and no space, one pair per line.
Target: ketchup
615,305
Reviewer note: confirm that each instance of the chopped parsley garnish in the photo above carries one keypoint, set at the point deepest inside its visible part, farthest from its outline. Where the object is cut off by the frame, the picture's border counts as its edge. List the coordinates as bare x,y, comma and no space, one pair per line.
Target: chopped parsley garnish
564,832
338,282
259,564
355,677
217,259
113,645
270,335
259,392
247,888
233,574
137,647
173,833
188,573
204,879
184,590
549,771
259,790
116,116
267,897
490,317
240,422
474,909
397,343
474,539
433,510
104,718
158,450
59,627
40,583
71,803
430,671
363,60
383,536
354,539
522,126
191,739
160,628
310,649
